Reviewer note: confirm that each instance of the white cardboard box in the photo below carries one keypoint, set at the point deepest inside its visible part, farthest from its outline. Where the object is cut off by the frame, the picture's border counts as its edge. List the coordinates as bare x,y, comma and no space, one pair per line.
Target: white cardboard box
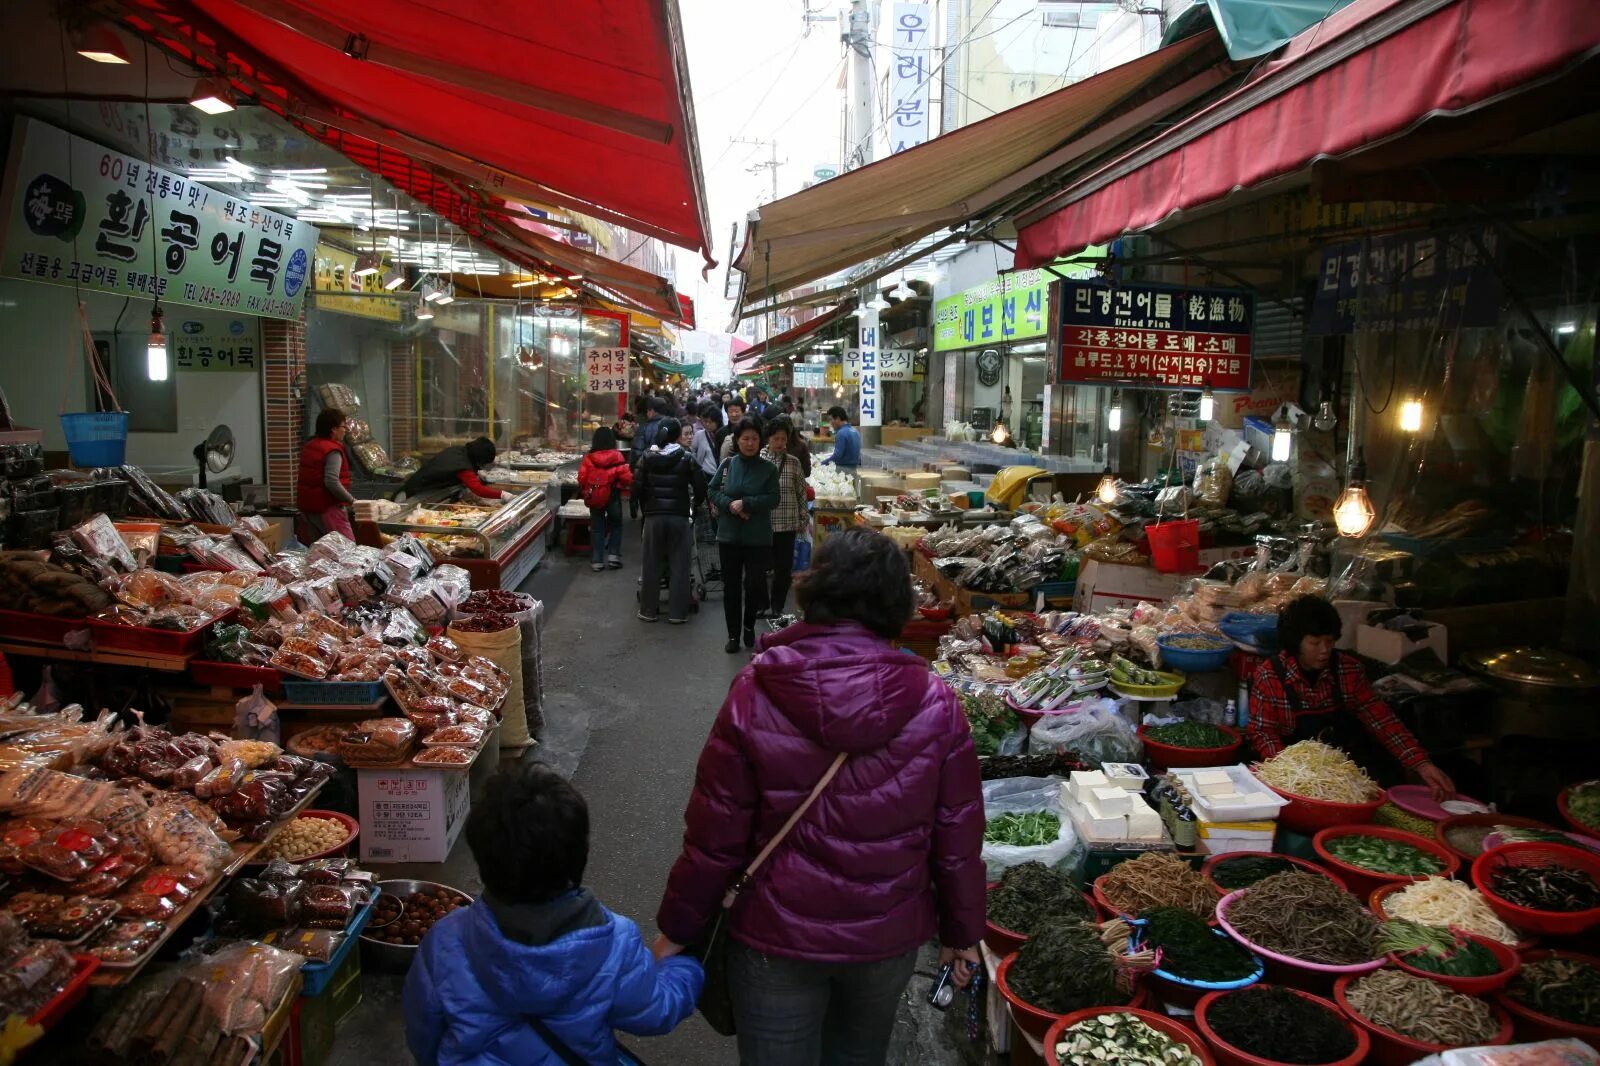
1388,646
1103,585
410,814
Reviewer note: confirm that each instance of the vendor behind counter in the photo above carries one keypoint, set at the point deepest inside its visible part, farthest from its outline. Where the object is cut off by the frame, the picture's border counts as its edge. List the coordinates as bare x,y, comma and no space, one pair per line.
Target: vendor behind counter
1312,691
454,468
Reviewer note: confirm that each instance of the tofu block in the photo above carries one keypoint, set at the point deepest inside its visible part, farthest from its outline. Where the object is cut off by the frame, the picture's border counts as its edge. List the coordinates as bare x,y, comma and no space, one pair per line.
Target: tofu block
1202,778
1084,782
1097,827
1111,800
1209,790
1253,799
1143,823
1228,799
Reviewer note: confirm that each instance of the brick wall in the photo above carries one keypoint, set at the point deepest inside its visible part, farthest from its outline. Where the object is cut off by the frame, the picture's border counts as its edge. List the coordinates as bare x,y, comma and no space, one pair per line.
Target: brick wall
402,398
285,377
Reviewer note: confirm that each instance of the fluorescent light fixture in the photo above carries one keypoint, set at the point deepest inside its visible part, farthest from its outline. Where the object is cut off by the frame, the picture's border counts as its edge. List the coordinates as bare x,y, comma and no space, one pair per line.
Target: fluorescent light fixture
1208,405
393,279
212,96
155,351
1282,437
424,311
1114,415
291,190
1567,327
102,45
447,295
366,263
1411,415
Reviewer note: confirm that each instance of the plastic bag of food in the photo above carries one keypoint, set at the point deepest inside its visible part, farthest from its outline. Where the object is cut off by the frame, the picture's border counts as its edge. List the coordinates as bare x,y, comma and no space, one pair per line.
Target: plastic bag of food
245,982
1021,796
1095,731
268,598
99,538
453,582
147,588
223,778
180,839
255,718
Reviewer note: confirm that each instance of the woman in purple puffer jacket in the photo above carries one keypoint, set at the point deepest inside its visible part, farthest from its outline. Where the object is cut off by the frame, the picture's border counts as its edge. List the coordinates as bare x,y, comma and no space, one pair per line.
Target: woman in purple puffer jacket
825,936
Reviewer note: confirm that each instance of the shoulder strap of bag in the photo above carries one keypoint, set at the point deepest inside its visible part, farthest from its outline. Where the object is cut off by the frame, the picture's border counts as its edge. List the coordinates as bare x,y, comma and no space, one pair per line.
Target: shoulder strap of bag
772,845
556,1044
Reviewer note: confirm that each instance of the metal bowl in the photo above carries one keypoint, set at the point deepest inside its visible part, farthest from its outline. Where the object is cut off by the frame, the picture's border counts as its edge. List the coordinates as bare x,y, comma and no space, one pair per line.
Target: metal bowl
397,957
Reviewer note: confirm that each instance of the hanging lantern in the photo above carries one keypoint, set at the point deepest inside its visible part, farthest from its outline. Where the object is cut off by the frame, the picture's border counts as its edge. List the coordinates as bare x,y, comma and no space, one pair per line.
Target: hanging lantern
1353,513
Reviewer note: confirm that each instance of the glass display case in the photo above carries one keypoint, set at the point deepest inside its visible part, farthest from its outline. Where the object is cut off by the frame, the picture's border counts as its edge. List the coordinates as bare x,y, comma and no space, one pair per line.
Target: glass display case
498,546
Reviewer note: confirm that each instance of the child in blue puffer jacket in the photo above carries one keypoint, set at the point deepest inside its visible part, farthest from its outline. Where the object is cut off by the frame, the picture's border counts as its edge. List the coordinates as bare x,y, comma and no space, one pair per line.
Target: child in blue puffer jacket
537,961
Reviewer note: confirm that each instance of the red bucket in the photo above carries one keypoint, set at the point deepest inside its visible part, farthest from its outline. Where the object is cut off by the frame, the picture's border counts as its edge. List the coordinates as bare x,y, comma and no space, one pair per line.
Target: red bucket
1175,546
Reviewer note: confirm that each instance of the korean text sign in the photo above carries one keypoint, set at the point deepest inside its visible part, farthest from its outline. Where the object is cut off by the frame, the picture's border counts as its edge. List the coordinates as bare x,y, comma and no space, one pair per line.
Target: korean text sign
1407,281
1155,336
868,390
1007,307
606,369
80,214
215,344
910,45
810,375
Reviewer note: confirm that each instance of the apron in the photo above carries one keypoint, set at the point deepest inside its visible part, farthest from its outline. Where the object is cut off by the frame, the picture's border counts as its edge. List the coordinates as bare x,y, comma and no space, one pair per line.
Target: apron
1336,725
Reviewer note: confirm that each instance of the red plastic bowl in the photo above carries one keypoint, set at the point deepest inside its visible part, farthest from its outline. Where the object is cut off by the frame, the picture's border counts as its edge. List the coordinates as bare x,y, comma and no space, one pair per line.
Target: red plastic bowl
1169,756
1545,923
1510,963
1003,941
352,827
1531,1025
1566,812
1159,1022
1228,1055
1112,912
1389,1048
1441,829
1294,861
1361,880
1306,815
1379,895
1031,1019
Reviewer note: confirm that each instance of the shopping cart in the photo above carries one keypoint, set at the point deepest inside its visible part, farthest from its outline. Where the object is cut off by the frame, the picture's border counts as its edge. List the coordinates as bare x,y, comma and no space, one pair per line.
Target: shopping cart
704,577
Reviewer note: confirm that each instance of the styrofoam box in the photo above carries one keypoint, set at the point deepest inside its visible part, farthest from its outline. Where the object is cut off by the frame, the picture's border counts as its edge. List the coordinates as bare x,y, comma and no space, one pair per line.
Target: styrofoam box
1244,783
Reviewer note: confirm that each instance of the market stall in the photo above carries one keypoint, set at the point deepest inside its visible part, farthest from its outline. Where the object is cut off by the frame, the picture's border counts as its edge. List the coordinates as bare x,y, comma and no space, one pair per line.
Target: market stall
498,546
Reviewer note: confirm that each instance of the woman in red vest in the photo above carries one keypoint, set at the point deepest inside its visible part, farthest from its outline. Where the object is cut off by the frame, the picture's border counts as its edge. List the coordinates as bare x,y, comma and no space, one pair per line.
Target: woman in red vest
323,488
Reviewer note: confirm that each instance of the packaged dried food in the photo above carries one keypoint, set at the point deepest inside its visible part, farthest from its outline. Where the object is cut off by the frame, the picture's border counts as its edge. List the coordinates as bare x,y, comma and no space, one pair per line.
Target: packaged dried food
259,795
313,643
109,875
279,870
125,942
313,945
378,741
34,977
191,773
297,664
16,834
181,839
252,545
70,849
263,905
13,938
428,722
403,629
445,649
253,753
222,779
468,735
268,599
197,807
25,906
245,982
447,755
147,589
156,895
326,906
476,716
318,625
473,692
19,786
326,871
75,919
189,879
99,538
122,812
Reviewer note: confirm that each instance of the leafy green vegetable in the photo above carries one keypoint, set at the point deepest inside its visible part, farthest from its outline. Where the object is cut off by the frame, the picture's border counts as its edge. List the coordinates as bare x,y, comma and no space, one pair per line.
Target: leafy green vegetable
1583,803
1023,830
991,721
1192,949
1066,966
1437,950
1384,856
1031,892
1189,735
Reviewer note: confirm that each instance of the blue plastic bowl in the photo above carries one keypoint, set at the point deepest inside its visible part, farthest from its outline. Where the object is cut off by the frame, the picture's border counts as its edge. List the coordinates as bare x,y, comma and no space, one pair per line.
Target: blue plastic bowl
1190,661
1258,630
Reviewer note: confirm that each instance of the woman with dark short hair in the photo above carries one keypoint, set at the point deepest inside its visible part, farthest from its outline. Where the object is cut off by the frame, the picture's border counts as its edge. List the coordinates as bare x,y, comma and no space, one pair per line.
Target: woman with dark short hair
824,938
322,489
745,491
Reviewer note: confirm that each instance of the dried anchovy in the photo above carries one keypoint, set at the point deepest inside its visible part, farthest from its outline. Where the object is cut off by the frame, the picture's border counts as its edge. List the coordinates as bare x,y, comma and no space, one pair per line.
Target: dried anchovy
1157,880
1306,916
1421,1009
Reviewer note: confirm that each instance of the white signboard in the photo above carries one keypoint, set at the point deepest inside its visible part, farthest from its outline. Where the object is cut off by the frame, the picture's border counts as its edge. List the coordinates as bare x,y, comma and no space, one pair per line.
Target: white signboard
898,364
869,391
606,369
910,45
810,375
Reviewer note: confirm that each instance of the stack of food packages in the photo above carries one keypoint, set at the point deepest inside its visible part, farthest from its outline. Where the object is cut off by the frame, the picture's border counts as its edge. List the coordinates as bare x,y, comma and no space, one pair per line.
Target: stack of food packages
108,832
833,487
1232,810
1011,557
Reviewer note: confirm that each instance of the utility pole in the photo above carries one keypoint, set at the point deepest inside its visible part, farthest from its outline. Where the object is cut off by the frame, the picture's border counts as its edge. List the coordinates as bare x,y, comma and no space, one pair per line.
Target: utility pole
771,164
861,37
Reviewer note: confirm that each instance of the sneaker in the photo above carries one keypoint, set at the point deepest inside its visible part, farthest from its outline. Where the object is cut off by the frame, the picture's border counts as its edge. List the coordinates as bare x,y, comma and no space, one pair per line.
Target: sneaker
597,567
749,638
676,621
646,617
614,562
732,647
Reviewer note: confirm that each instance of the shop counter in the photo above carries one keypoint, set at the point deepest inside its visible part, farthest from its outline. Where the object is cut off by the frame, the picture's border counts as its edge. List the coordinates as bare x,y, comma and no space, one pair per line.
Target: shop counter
499,551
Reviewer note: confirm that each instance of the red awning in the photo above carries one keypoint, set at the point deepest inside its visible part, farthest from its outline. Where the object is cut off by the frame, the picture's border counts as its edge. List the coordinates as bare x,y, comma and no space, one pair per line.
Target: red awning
586,109
751,357
1368,74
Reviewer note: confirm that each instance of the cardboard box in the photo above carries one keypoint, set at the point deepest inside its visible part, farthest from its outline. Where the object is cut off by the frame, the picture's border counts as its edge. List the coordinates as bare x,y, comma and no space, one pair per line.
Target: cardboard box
411,815
1103,585
1389,646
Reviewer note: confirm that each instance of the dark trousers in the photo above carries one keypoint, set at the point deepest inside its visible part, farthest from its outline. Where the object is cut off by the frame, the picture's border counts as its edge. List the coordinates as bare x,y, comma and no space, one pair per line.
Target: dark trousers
792,1012
605,529
668,540
782,572
744,583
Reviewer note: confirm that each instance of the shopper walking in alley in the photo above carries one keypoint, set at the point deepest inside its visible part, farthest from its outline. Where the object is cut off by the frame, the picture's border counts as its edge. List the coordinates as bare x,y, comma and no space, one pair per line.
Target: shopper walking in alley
846,442
745,492
669,485
789,517
603,478
824,937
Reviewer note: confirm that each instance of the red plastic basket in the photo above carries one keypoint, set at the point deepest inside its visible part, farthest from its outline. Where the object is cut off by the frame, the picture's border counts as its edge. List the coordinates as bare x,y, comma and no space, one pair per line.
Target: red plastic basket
52,1012
1295,862
1510,963
1003,941
1175,546
1036,1022
1389,1048
1375,903
1545,923
233,675
37,628
1572,820
1441,830
1159,1022
1228,1055
1362,881
1171,755
1533,1026
1306,815
113,636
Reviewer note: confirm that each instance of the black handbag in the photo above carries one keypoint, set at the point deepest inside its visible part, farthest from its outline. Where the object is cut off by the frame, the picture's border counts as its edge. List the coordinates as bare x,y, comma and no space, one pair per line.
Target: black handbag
716,997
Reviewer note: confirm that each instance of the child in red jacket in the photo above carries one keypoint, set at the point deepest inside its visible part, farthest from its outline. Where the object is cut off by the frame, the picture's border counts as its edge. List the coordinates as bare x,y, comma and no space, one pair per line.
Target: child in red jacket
603,478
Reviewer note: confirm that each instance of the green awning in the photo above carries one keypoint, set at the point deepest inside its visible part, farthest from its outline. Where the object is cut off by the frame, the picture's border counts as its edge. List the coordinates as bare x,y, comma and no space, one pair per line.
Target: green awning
1250,28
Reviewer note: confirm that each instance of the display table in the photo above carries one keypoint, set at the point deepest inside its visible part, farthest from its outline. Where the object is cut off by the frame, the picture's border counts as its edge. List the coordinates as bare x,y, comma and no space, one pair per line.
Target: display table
499,552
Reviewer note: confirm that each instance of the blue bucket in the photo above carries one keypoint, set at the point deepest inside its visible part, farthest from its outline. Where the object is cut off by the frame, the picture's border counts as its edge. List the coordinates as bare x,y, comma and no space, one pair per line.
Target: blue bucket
96,438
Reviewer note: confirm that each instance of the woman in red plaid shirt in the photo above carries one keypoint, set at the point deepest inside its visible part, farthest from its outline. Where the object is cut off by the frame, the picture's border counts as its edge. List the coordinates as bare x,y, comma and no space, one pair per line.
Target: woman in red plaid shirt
1310,691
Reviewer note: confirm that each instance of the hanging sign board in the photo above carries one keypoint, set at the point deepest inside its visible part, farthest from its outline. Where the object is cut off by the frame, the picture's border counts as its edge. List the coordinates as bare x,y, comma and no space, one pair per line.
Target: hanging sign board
868,389
910,45
1007,307
810,375
1407,281
606,369
1155,336
79,214
214,343
339,290
900,364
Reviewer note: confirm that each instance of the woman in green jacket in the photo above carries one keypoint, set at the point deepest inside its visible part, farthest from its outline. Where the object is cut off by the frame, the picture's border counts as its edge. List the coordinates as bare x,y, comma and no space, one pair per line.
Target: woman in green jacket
745,491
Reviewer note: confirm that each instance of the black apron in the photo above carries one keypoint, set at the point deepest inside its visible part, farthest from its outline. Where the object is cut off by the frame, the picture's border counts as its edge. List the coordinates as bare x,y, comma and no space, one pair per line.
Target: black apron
1336,724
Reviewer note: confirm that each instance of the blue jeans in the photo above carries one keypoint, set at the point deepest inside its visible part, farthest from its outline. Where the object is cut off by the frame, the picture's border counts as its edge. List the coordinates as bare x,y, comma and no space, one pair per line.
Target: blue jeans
605,529
792,1012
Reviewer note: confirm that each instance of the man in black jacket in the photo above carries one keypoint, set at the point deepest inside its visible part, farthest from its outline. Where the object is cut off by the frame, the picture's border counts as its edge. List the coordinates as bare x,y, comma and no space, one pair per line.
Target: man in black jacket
669,484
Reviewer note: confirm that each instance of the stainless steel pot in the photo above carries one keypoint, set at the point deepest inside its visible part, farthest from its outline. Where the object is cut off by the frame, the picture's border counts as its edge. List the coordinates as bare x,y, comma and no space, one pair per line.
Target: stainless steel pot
396,958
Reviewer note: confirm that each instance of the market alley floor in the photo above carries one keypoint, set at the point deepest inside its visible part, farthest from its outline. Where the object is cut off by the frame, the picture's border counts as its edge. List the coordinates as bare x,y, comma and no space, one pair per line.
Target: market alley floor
627,706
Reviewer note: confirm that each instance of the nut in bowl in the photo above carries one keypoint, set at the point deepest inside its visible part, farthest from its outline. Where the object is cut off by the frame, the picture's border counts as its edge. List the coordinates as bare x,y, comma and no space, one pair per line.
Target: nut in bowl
390,940
312,835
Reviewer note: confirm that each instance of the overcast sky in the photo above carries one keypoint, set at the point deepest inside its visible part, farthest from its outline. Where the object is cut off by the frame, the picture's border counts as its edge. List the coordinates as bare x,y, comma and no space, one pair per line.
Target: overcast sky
756,76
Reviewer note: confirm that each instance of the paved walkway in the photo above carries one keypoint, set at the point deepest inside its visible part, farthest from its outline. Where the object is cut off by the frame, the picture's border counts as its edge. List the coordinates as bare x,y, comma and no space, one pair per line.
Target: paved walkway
628,706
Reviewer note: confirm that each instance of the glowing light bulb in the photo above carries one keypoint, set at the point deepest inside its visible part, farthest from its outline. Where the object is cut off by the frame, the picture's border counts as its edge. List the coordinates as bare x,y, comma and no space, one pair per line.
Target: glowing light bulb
1106,491
1353,513
1114,415
1411,416
1325,419
1282,440
1208,405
